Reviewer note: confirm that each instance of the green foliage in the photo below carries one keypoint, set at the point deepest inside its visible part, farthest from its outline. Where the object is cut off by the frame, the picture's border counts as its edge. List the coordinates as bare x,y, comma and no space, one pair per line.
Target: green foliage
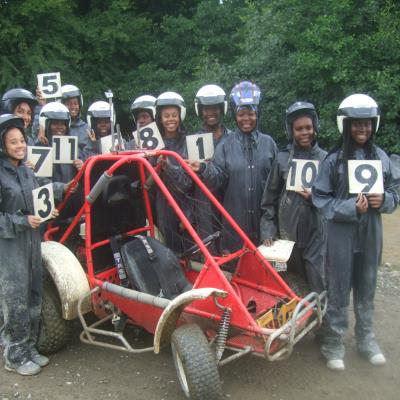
320,50
323,51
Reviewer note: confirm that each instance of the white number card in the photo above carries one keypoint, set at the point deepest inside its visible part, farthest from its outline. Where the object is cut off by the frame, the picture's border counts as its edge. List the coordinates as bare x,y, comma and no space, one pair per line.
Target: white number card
65,149
302,174
106,144
365,176
280,251
43,201
200,146
150,137
42,158
50,84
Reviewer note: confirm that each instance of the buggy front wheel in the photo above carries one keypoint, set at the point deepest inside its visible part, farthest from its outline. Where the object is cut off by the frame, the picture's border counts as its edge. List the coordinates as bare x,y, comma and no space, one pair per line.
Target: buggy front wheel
55,332
195,364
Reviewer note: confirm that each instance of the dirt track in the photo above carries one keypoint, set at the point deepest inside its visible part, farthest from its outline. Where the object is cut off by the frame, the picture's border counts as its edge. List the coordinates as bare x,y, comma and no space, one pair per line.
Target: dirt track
86,372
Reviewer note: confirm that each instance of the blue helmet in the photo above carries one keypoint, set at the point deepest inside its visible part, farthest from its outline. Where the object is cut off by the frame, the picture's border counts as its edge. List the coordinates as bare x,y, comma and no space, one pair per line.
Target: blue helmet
245,94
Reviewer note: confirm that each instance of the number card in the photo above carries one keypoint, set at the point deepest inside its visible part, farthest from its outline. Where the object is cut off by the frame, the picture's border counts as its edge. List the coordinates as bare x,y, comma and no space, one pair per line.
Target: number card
200,146
43,201
302,174
65,149
280,251
106,144
42,158
50,84
150,137
365,176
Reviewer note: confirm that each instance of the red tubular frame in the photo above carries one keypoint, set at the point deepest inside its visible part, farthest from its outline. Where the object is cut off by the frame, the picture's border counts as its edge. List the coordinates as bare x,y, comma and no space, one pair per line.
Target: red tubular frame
140,157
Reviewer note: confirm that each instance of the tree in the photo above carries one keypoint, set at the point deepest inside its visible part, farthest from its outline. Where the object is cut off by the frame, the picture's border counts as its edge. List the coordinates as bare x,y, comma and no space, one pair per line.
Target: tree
322,51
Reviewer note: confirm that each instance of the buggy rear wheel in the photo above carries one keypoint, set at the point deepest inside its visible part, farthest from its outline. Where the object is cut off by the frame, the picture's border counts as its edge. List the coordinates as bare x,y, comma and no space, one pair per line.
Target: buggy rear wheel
195,364
55,332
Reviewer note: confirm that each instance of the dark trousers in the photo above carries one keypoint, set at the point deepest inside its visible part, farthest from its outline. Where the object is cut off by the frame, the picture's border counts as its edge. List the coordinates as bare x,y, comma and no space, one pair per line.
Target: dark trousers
358,273
21,301
305,269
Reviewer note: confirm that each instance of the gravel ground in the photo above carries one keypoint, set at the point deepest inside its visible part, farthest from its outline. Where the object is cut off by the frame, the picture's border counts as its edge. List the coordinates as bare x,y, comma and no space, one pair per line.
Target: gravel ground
389,279
88,372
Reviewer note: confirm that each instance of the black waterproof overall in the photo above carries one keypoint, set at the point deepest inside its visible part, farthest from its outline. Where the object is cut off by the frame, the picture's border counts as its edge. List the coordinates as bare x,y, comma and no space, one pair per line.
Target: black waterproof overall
287,215
20,264
354,248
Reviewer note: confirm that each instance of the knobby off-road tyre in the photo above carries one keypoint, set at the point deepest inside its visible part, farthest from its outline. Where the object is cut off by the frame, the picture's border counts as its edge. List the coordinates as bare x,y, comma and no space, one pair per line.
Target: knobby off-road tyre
195,364
55,332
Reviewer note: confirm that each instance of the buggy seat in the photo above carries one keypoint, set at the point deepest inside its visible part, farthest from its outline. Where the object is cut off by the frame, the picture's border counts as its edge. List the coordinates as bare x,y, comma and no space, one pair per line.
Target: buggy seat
153,268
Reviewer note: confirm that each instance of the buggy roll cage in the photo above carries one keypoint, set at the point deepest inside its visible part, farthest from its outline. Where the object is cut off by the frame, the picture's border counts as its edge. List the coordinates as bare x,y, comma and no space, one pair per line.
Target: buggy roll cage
141,158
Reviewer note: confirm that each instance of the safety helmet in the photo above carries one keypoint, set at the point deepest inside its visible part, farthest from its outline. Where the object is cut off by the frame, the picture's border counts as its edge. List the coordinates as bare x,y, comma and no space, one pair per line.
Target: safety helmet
13,97
299,109
71,91
210,95
358,106
144,103
8,121
171,99
245,94
98,109
53,111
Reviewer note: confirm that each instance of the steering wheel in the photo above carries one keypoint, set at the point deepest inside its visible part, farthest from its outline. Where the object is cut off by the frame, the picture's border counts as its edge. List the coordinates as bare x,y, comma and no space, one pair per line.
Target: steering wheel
195,248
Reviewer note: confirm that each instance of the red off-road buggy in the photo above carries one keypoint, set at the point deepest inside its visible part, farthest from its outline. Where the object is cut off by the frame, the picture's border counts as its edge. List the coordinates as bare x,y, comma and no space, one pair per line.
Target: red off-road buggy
106,259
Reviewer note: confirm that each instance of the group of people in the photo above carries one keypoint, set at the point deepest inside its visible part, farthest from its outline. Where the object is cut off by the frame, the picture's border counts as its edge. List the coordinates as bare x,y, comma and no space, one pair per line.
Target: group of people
337,233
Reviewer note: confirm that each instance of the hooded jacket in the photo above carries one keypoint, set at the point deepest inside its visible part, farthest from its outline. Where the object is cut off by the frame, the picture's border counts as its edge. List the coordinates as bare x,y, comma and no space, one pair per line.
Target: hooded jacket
240,169
286,214
20,262
180,186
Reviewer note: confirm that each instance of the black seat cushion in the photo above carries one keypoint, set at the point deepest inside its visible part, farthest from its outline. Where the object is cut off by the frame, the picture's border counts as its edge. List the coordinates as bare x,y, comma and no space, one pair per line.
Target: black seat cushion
153,268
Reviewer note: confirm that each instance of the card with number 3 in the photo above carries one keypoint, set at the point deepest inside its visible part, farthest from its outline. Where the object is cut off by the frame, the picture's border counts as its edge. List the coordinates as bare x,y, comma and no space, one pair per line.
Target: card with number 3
43,201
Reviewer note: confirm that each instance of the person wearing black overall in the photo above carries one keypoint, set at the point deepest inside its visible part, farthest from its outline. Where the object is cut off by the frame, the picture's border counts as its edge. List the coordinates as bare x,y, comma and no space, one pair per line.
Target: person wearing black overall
170,114
289,214
354,229
211,106
240,166
20,253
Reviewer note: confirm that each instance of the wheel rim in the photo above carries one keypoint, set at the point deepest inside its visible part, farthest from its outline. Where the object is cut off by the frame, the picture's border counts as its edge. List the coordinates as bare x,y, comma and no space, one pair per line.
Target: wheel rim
180,371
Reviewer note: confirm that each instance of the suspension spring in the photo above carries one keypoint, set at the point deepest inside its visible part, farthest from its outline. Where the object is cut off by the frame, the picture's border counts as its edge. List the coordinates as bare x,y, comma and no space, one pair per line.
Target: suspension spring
223,332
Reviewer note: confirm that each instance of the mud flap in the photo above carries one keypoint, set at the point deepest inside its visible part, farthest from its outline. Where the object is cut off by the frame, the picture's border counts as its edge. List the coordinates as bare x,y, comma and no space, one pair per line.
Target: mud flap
167,322
68,277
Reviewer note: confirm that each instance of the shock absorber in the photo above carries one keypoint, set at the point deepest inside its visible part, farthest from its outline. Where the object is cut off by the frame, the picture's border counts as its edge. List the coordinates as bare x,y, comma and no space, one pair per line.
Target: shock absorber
220,341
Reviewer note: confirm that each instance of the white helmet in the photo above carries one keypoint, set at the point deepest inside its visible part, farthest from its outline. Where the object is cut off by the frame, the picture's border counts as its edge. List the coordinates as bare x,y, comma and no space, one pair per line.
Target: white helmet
71,91
53,111
146,103
98,109
172,99
210,95
358,106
